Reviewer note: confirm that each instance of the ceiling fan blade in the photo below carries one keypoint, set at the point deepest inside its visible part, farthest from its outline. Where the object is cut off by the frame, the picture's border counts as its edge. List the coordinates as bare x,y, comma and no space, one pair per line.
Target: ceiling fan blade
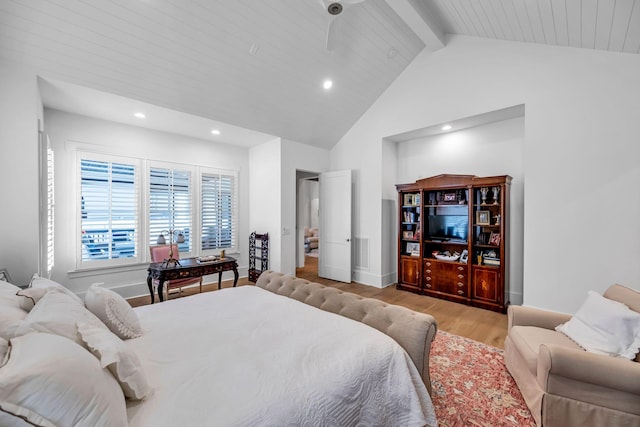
333,31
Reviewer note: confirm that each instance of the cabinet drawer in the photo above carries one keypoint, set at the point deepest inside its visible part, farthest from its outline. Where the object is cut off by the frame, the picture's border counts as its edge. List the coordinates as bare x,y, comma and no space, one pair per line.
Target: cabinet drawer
447,277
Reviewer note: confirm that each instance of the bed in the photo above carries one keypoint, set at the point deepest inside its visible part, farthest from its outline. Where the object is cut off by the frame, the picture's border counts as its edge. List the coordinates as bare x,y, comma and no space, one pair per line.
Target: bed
284,352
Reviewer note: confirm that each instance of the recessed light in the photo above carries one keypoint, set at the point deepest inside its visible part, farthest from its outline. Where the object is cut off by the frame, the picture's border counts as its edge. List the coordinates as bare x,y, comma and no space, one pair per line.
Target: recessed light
446,127
140,115
327,84
215,132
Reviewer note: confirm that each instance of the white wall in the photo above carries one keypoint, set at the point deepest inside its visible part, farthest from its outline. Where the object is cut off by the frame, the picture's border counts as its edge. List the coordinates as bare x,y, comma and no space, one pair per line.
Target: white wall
389,212
580,158
489,150
68,130
273,191
20,109
265,192
295,156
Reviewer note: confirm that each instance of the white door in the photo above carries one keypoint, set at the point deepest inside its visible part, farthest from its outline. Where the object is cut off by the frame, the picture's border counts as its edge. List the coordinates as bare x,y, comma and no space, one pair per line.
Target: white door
334,246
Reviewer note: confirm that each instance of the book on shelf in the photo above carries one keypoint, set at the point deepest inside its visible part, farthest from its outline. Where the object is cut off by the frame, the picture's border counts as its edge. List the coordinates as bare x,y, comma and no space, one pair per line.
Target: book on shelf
410,216
491,260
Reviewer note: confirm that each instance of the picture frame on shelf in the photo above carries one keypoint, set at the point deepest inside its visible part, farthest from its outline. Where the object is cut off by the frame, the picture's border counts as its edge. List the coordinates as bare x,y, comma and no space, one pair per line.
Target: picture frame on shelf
449,197
483,218
494,239
409,200
407,234
413,249
464,257
4,275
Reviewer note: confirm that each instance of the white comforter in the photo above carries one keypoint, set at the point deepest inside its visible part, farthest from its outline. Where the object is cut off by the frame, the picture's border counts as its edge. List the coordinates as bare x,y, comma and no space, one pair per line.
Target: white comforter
247,357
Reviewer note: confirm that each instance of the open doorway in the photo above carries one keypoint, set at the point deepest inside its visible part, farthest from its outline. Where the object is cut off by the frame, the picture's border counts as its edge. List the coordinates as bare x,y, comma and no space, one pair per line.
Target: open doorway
307,223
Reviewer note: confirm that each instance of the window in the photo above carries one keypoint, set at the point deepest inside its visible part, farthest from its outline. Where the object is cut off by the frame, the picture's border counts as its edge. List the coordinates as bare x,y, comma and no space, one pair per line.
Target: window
170,205
109,209
50,208
46,205
117,225
218,210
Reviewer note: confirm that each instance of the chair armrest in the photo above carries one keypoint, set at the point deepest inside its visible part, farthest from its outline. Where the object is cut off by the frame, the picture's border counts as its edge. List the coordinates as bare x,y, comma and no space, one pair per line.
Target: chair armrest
526,316
605,371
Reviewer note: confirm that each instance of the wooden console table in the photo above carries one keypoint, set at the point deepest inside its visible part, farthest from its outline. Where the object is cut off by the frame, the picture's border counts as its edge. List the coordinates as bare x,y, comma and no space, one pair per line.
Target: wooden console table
189,268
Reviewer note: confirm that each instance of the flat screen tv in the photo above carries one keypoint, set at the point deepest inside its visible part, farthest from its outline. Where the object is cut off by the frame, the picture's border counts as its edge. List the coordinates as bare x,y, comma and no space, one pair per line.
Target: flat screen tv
448,227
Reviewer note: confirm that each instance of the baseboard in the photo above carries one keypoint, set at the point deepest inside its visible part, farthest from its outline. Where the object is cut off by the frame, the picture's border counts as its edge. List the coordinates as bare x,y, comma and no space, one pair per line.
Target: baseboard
516,298
377,281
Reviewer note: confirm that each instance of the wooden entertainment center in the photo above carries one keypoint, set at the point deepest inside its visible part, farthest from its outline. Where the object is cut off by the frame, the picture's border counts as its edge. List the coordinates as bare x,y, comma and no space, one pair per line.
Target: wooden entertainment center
453,239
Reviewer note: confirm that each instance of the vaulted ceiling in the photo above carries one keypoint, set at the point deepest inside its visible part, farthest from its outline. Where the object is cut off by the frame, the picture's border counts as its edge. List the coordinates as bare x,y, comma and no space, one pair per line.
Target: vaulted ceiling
259,64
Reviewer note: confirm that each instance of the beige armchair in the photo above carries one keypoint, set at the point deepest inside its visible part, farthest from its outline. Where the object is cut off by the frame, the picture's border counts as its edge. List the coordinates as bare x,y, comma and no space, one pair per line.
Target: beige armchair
564,385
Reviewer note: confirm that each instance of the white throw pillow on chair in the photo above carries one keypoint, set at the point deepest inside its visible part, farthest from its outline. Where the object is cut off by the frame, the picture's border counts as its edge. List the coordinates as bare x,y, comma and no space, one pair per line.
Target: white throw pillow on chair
604,326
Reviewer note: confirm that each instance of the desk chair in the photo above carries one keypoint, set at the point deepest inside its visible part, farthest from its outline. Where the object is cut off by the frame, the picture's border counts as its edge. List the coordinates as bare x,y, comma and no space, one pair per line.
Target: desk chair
160,253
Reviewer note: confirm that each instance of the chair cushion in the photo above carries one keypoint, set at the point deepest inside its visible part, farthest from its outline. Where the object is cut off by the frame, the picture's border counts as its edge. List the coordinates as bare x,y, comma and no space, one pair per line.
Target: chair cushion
527,340
181,282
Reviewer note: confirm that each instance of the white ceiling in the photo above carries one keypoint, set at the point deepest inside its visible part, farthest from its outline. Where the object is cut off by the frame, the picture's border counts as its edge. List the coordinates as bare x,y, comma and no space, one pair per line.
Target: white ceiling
612,25
253,64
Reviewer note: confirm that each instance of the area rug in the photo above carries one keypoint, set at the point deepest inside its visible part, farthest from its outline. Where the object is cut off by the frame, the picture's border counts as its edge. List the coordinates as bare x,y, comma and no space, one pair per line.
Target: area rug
471,385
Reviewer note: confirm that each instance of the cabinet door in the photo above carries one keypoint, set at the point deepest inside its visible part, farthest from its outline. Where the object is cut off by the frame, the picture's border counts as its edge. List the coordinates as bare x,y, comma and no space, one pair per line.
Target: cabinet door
486,285
410,272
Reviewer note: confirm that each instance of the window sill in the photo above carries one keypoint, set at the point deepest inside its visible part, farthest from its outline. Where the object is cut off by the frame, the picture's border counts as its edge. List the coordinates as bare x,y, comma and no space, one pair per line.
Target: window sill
96,271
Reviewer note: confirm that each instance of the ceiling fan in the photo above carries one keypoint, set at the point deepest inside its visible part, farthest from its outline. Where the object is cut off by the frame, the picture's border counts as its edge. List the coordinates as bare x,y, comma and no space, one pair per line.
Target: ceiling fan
337,10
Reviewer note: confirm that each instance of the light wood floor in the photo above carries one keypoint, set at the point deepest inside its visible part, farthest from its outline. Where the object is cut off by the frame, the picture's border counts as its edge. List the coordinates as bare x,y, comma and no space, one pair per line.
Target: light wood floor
475,323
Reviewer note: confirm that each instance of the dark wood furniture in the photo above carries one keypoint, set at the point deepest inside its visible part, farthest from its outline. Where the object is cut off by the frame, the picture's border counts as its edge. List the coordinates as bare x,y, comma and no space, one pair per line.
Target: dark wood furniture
258,255
189,267
463,218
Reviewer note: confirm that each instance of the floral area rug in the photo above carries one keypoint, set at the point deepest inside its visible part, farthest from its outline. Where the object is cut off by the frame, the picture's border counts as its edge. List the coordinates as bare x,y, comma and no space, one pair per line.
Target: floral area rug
471,385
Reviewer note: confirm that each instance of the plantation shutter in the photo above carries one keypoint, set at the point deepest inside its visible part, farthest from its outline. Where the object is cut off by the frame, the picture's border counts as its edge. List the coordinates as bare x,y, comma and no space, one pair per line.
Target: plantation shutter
109,207
170,206
219,205
50,209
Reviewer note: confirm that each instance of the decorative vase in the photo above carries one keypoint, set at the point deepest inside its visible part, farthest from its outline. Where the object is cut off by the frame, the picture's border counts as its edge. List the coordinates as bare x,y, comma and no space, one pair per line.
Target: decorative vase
483,193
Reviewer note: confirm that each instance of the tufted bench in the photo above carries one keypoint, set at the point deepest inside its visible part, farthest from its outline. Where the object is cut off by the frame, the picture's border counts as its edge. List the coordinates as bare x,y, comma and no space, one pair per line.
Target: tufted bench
412,330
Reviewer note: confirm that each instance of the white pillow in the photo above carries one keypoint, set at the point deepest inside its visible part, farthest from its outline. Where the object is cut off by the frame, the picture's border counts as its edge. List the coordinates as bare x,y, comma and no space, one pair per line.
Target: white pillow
114,311
30,296
604,326
42,282
4,347
8,297
120,359
6,286
49,380
56,313
9,315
